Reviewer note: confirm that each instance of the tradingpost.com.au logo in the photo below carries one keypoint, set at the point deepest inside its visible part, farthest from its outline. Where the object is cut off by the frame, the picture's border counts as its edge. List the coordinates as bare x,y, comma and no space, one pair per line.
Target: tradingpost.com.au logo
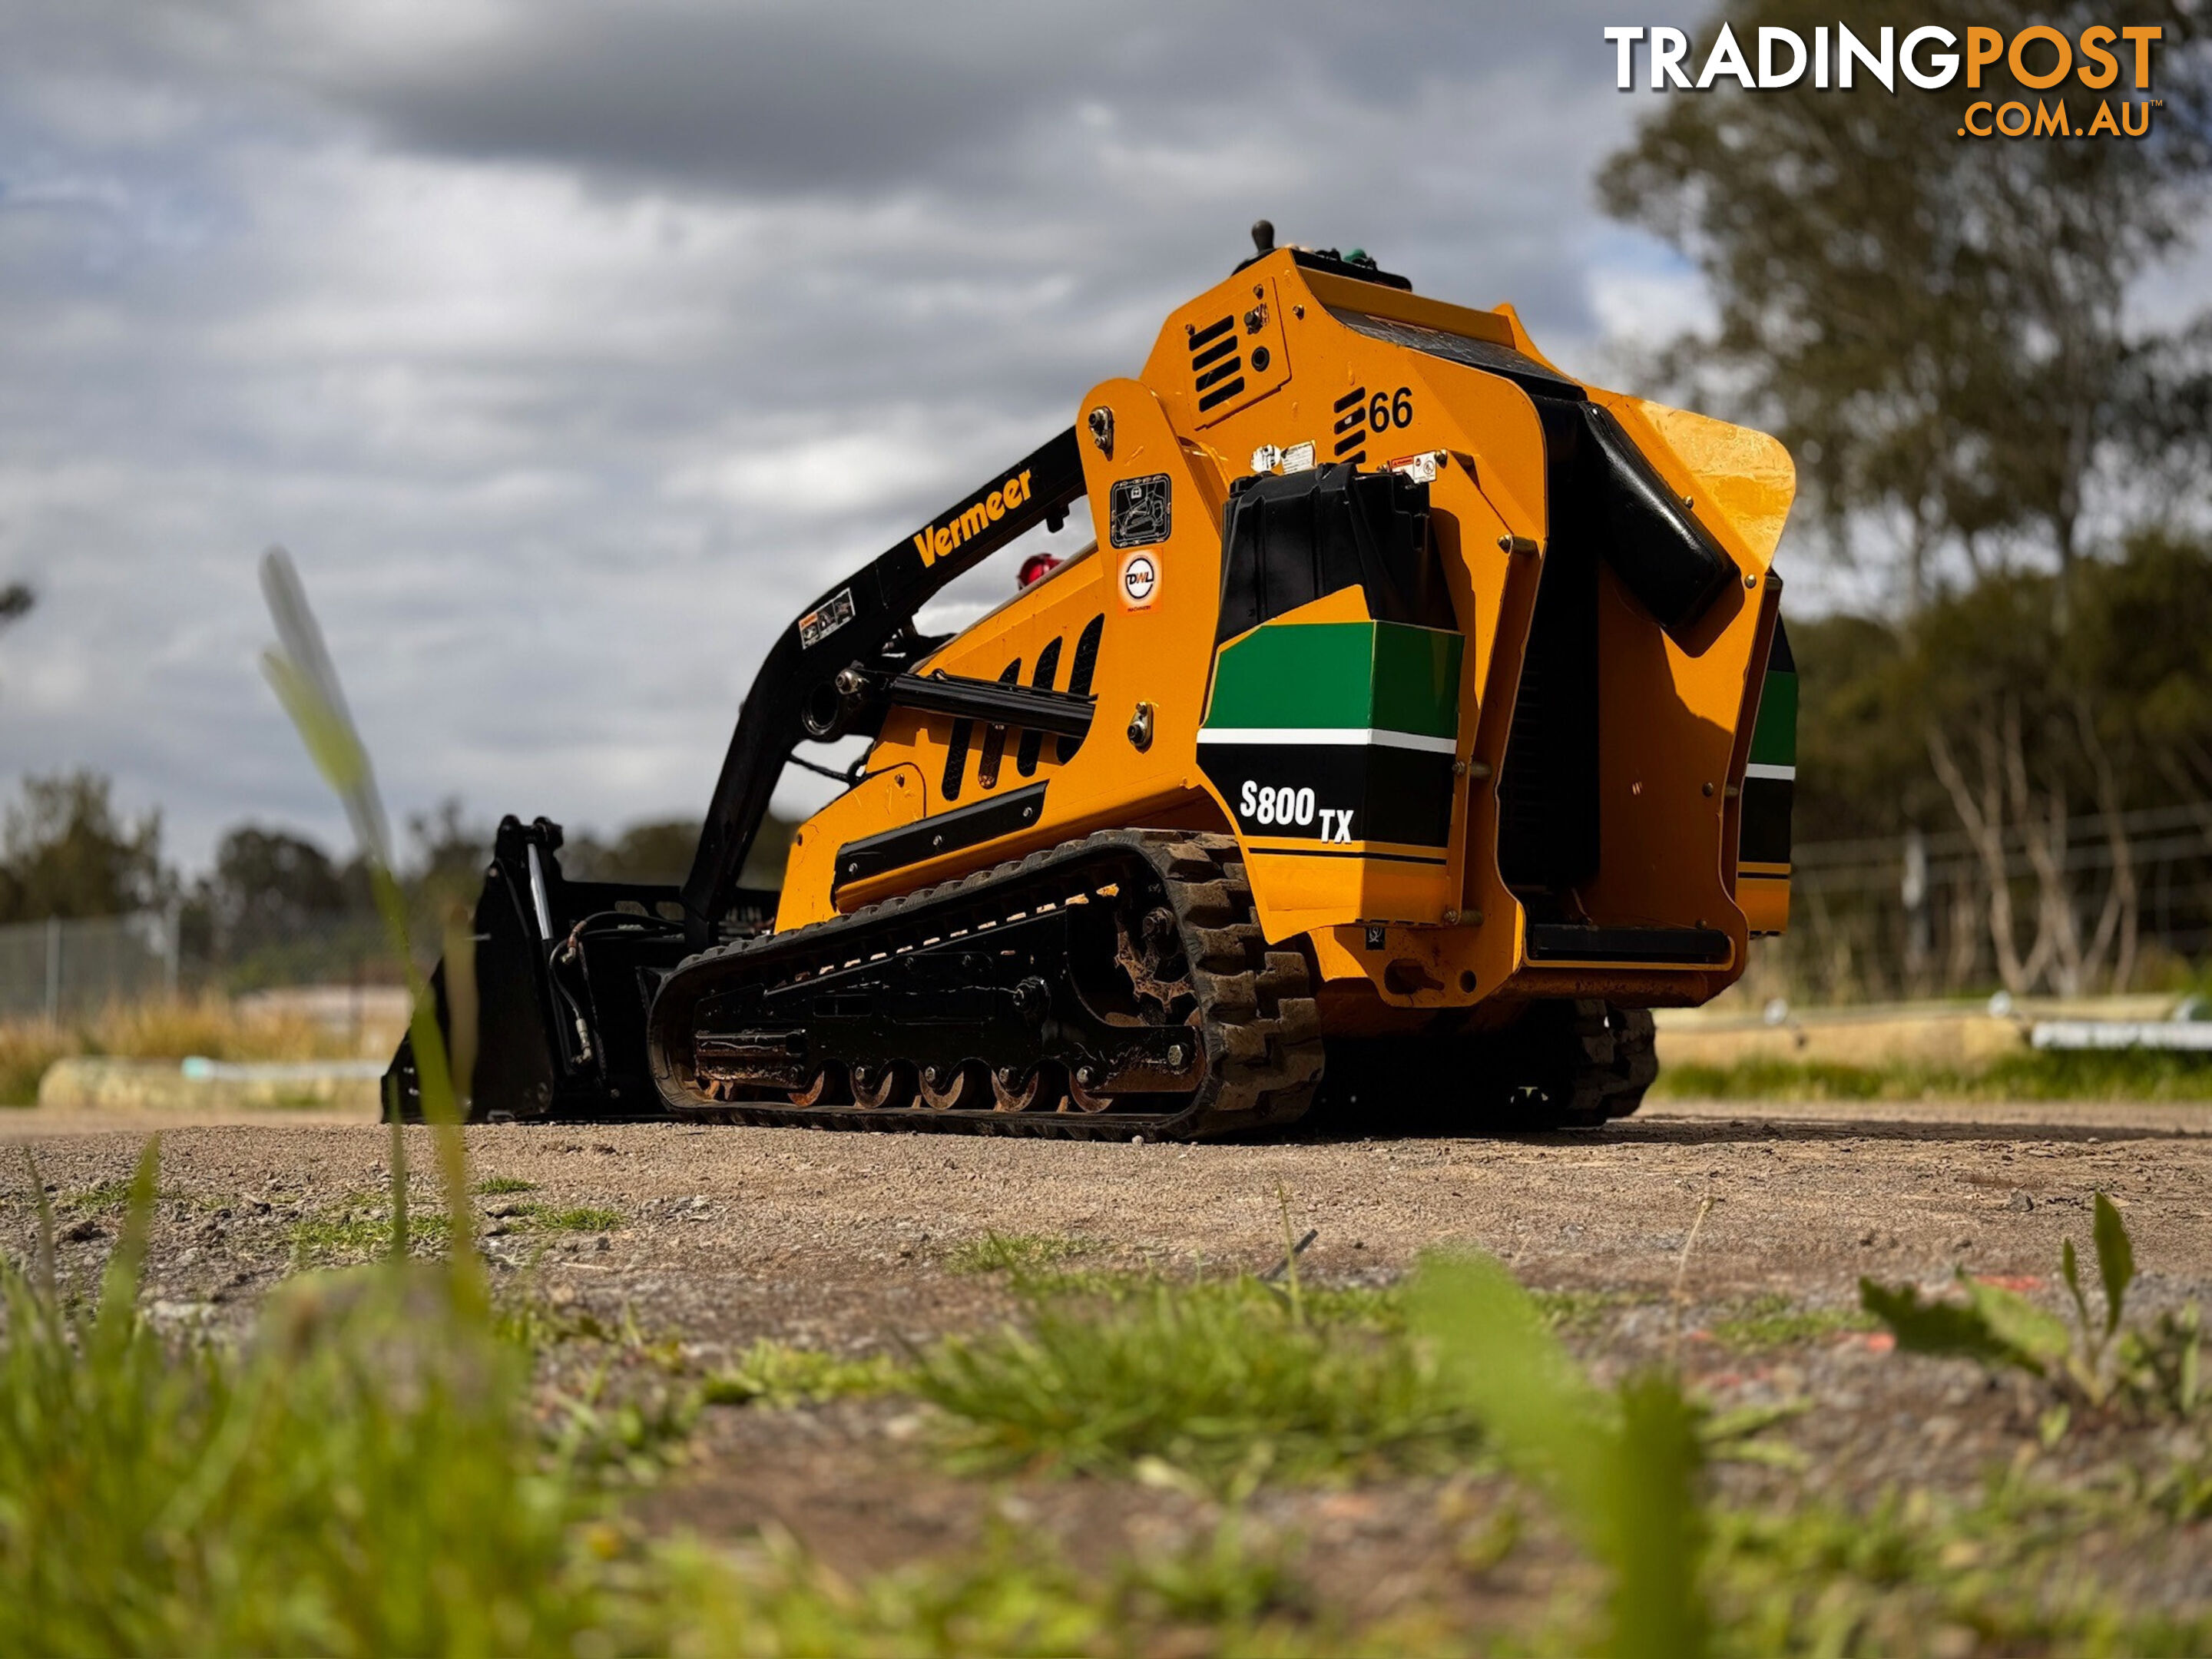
2039,57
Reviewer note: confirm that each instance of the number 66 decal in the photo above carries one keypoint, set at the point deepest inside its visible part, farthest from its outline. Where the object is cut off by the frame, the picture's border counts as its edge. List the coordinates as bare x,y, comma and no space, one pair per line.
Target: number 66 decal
1394,409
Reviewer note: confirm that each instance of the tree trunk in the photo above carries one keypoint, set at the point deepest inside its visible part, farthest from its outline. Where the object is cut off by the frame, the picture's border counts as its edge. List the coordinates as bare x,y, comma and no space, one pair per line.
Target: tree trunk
1983,819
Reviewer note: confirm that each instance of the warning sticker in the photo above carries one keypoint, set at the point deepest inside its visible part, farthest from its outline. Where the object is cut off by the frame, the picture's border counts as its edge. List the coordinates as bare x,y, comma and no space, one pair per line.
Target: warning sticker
1140,581
1137,511
819,625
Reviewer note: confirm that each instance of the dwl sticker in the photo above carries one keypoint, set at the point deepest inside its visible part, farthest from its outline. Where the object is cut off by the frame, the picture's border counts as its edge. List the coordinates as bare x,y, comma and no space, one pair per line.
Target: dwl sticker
1140,581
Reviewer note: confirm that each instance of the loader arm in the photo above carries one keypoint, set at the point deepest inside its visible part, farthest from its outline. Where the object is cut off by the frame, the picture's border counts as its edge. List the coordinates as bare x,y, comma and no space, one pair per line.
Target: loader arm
864,623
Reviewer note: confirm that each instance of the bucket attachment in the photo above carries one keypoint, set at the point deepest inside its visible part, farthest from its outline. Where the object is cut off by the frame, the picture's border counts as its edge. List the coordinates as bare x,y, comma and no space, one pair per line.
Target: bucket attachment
564,972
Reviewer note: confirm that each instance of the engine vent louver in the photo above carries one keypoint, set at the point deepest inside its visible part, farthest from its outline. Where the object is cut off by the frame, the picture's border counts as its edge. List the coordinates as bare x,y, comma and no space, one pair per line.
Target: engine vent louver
1032,749
1078,679
955,756
994,737
1351,427
1217,366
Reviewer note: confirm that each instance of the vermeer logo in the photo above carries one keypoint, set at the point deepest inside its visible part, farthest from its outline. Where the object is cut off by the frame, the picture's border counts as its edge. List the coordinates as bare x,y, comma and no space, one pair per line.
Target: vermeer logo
2038,58
934,542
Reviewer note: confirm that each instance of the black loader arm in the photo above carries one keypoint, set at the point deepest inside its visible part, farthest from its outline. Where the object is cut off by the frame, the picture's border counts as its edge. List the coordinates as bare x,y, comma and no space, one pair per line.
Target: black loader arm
859,632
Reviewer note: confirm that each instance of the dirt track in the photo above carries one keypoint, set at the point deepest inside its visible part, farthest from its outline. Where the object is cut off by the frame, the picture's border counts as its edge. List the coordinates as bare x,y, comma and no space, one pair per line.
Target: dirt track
837,1239
841,1240
732,1232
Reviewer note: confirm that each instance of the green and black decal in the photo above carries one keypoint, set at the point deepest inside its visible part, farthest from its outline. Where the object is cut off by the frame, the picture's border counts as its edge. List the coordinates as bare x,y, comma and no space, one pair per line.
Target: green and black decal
1771,780
1336,732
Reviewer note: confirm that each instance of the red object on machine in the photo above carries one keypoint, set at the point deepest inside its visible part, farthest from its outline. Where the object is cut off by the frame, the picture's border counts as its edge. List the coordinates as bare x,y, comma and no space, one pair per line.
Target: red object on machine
1036,567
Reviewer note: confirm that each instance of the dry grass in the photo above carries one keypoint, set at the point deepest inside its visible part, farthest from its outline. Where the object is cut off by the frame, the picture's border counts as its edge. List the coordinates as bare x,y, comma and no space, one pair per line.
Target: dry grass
212,1026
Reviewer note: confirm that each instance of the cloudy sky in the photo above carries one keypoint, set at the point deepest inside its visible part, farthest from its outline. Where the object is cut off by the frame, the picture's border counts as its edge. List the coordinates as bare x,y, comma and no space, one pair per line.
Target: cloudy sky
570,348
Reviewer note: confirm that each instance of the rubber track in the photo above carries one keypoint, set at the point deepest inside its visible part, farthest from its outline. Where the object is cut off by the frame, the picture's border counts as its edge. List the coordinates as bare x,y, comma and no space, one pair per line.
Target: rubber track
1614,1058
1261,1031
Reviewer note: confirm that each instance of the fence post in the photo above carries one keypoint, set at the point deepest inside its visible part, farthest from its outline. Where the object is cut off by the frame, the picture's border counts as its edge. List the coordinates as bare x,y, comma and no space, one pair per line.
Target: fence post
53,970
1913,891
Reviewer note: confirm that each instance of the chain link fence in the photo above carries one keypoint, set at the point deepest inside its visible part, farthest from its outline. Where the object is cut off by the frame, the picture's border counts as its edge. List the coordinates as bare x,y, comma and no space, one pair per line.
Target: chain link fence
2080,906
61,970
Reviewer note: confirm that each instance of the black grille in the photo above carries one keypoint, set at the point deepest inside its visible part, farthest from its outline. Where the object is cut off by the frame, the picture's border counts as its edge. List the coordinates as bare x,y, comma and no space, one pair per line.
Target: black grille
956,757
1079,681
1351,427
994,736
1047,666
1217,367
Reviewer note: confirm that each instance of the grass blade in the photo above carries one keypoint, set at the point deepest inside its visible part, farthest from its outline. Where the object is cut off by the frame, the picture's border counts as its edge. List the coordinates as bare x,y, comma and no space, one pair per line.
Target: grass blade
2116,1260
1658,1524
306,681
1940,1328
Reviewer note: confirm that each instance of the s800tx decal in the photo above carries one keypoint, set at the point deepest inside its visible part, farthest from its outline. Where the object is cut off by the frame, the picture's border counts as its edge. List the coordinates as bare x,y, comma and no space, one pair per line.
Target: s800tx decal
1288,808
1332,792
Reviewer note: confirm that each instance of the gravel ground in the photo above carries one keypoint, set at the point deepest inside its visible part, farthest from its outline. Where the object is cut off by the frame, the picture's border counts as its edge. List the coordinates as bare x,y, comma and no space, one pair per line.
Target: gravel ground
841,1240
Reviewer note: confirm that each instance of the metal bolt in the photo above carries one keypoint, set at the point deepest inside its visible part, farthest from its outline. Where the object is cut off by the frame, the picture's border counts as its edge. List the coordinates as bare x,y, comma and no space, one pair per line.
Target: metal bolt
1175,1056
1750,581
1085,1076
930,1076
1451,918
1709,790
1102,430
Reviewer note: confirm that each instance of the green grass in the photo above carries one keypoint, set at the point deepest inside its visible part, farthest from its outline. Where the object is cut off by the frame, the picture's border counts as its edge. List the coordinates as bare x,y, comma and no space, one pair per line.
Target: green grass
1915,1573
1230,1593
1583,1310
495,1186
530,1217
27,1048
776,1374
1775,1320
360,1229
1021,1253
2090,1074
107,1198
1222,1380
158,1499
372,1472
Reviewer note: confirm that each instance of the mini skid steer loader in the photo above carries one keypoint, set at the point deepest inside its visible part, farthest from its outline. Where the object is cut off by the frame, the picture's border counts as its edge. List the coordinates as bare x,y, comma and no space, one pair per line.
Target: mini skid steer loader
1420,718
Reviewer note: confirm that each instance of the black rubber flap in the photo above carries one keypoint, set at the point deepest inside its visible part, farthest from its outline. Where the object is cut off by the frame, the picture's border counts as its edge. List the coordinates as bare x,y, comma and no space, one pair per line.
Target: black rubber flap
1288,540
1655,545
